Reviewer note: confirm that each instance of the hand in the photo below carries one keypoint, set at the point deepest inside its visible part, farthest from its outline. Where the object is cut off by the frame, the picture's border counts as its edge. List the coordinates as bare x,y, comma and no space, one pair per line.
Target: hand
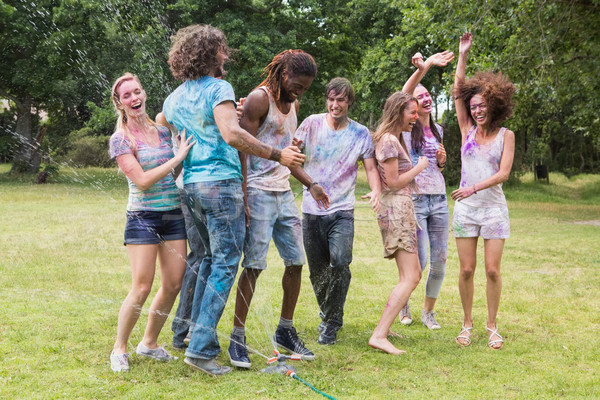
374,200
291,157
417,61
297,142
440,155
239,108
465,42
185,144
318,193
441,59
422,163
462,193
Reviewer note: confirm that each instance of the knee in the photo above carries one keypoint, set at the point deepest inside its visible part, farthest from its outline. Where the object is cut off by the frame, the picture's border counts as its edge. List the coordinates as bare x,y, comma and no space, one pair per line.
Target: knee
172,288
140,292
466,273
493,274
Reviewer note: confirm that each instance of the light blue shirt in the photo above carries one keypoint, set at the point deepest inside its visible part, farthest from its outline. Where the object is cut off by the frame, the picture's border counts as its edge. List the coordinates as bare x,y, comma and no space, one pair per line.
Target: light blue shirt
190,107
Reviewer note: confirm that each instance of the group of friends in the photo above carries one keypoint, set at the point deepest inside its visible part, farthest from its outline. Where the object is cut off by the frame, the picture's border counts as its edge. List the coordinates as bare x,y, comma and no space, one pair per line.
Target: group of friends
216,172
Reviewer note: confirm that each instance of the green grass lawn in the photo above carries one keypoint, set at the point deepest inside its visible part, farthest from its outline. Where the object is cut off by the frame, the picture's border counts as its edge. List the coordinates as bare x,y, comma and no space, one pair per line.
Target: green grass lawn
64,273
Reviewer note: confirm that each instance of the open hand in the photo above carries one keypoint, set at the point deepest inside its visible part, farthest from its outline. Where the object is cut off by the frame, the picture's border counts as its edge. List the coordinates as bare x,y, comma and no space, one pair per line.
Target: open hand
441,59
374,200
185,144
318,193
465,42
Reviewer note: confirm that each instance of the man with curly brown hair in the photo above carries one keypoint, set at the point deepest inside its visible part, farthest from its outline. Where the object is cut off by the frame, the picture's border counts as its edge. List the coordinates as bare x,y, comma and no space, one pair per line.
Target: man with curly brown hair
270,114
204,106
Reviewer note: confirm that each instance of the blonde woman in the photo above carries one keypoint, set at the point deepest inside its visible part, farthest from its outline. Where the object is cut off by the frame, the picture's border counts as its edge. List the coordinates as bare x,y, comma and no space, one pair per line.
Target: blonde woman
155,225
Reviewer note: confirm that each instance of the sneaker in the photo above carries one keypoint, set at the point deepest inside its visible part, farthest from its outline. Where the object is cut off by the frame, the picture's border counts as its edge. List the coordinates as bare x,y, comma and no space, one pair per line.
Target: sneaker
238,354
119,362
288,339
328,335
321,326
405,316
211,366
429,321
188,337
159,354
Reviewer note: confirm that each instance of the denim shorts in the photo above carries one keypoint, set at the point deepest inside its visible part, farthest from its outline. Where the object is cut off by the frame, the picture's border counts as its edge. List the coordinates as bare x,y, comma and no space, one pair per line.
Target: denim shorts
273,215
487,222
154,227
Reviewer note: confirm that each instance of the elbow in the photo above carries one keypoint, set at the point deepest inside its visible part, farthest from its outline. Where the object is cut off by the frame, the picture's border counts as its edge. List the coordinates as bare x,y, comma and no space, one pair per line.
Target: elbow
504,177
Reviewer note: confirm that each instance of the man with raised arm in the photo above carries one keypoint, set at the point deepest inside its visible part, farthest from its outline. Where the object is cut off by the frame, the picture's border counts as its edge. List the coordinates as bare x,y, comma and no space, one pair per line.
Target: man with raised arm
333,144
205,107
270,114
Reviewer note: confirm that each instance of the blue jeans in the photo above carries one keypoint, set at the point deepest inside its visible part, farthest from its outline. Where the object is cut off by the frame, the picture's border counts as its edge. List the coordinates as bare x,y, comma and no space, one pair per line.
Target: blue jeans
218,212
433,218
181,322
328,244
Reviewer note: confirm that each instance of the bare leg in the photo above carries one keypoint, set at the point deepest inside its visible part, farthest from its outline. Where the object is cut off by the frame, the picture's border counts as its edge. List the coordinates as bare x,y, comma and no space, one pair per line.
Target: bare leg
245,292
142,258
429,304
409,273
467,254
171,256
493,256
291,281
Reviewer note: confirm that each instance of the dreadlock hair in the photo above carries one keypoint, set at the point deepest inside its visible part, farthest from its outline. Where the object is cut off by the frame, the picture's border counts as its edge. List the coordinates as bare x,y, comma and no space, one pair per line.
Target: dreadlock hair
294,63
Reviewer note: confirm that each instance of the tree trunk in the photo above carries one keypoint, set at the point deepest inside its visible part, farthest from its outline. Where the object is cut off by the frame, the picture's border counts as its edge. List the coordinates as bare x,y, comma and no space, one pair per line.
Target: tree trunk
23,160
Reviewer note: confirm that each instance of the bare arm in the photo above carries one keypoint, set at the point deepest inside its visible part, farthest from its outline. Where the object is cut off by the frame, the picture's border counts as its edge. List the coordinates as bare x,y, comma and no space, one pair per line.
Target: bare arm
237,137
508,154
397,181
462,111
440,59
374,183
162,120
145,179
316,191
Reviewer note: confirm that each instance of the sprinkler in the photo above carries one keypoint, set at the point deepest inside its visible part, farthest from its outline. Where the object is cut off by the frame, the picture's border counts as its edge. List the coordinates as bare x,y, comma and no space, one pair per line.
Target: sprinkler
282,368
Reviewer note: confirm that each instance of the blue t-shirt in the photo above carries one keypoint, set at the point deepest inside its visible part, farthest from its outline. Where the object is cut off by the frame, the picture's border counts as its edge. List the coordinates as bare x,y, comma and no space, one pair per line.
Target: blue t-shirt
190,107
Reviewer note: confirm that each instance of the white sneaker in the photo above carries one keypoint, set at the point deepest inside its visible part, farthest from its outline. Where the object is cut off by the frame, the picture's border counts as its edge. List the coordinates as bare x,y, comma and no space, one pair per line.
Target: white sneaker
429,321
119,362
159,354
405,316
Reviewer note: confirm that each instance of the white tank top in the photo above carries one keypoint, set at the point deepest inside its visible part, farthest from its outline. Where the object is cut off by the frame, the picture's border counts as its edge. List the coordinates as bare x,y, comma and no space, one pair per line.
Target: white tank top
479,162
277,131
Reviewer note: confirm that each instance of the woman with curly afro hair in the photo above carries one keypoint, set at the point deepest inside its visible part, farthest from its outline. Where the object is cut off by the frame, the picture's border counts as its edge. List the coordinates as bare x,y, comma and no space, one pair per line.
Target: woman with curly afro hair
482,103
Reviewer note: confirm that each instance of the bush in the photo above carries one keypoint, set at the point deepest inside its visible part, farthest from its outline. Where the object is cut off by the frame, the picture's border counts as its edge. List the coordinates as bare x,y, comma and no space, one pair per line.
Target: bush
88,151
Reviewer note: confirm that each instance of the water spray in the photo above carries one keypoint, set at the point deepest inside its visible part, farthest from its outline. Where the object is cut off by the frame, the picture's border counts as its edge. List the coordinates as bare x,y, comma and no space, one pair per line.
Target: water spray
278,365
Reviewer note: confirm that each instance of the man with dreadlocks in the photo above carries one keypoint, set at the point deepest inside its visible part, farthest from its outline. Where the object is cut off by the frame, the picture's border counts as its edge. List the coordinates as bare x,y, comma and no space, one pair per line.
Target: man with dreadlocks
205,107
270,114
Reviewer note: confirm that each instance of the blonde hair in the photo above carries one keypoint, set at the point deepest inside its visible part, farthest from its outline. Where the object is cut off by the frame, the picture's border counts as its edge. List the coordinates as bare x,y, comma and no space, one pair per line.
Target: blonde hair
393,114
121,115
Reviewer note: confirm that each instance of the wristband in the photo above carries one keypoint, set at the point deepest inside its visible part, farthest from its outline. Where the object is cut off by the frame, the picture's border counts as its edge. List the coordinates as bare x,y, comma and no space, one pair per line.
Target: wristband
311,185
441,166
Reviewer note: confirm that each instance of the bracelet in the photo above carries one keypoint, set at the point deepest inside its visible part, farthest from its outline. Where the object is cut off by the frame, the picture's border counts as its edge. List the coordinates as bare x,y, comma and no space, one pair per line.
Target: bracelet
312,184
441,166
474,190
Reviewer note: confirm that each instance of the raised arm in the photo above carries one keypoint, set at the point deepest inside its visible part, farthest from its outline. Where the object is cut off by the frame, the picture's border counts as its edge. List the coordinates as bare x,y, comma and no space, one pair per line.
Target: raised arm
508,154
462,111
440,59
237,137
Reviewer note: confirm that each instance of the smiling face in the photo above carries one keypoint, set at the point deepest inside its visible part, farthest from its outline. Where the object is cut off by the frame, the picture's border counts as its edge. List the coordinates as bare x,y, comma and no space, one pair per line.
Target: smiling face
292,87
409,117
424,100
132,98
337,105
479,110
